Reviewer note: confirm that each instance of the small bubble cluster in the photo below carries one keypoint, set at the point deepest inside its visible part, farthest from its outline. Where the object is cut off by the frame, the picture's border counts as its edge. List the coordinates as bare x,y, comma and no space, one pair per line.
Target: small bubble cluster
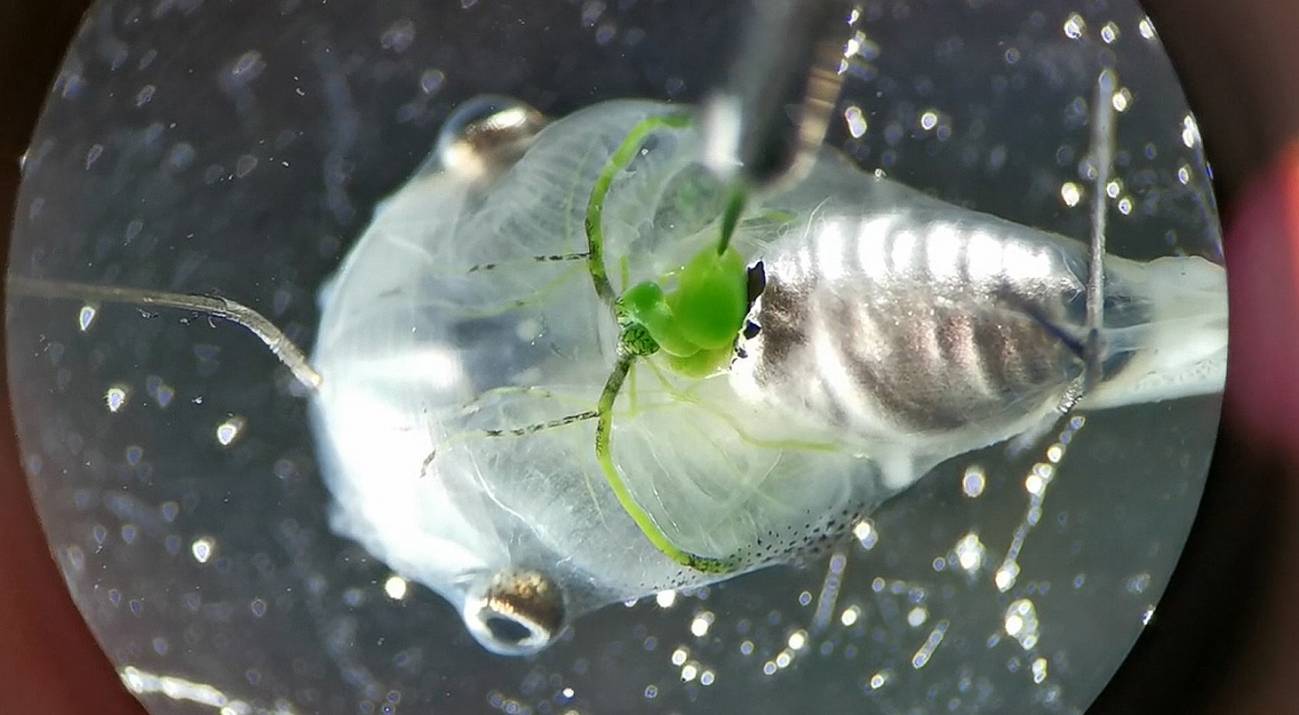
1021,623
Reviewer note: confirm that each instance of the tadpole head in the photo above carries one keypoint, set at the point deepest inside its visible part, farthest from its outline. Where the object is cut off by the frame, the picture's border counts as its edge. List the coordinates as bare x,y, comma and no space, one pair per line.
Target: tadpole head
514,612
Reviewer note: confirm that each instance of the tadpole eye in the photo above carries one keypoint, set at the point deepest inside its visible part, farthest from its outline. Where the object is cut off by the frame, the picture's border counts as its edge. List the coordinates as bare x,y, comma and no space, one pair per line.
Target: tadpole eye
757,282
751,330
515,612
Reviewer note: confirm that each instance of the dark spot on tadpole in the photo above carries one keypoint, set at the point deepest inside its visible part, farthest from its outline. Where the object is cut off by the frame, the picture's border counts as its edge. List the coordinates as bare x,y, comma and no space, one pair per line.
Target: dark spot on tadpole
757,282
506,630
751,329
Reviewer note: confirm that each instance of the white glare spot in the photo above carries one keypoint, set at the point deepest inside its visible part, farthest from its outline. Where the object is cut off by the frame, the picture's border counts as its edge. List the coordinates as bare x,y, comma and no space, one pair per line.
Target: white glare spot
1109,33
228,431
784,658
1121,100
1055,453
143,682
1021,623
1147,614
856,121
879,679
797,640
928,120
1184,174
1034,485
866,534
395,587
85,317
707,677
917,617
1075,26
1071,193
699,626
970,552
850,615
1146,29
1014,624
1113,189
202,549
1006,575
1190,132
679,656
568,693
1125,205
974,481
689,672
1039,670
116,397
665,599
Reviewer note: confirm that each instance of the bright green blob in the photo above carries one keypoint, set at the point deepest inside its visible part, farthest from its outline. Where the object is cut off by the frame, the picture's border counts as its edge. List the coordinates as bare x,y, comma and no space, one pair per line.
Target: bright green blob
645,304
711,299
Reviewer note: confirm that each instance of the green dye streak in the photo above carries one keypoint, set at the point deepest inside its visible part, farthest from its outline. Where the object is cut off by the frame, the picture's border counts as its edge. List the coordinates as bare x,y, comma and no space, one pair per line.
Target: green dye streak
622,157
736,198
646,303
604,454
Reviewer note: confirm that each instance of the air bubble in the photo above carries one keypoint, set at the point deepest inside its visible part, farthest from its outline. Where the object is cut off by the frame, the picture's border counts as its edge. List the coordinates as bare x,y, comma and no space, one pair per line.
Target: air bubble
227,432
202,549
115,397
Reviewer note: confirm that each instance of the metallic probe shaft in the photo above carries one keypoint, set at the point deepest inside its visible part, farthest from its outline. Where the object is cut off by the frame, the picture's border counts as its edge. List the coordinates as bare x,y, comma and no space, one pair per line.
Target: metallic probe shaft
768,121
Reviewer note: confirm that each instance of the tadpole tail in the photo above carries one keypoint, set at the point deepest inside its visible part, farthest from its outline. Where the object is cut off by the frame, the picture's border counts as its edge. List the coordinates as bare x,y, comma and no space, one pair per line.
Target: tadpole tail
279,344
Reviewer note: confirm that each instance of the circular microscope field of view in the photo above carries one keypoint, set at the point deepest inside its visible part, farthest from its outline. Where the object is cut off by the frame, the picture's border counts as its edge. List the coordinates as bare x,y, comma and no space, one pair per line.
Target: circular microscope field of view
390,356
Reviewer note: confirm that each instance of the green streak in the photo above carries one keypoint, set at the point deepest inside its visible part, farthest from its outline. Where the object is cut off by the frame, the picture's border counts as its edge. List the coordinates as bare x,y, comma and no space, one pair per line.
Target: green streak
622,157
604,453
635,340
680,397
492,311
735,201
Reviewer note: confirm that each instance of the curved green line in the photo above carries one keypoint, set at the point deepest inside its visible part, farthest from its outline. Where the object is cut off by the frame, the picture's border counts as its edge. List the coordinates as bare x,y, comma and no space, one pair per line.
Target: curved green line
604,454
693,400
621,158
618,161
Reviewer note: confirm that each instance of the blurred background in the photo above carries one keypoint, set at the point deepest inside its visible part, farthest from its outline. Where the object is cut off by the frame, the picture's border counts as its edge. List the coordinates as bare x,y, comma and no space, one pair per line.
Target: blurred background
1222,638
